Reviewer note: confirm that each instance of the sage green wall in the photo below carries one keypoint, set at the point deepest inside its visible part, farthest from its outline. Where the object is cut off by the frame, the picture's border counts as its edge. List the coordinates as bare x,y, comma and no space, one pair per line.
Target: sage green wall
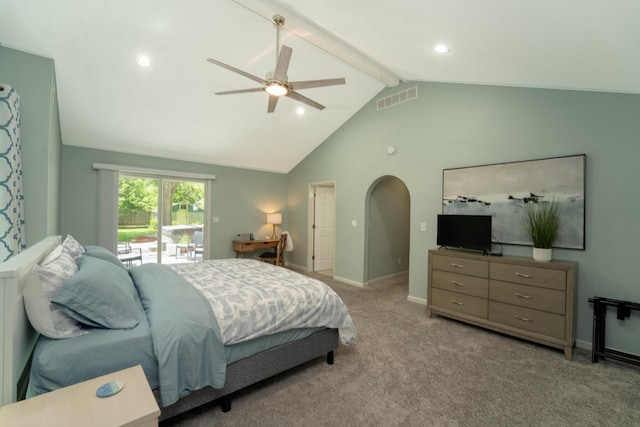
33,77
455,125
240,196
449,125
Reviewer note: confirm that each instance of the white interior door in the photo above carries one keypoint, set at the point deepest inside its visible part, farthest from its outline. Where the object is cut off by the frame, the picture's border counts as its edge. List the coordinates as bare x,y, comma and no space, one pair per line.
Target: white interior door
325,228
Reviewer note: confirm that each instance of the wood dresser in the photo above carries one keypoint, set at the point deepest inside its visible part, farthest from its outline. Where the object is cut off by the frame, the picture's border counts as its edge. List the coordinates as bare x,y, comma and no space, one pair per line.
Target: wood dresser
512,295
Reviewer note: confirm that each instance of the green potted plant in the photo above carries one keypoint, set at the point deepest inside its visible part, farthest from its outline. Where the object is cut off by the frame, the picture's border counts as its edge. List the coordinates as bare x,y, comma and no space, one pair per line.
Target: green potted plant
542,221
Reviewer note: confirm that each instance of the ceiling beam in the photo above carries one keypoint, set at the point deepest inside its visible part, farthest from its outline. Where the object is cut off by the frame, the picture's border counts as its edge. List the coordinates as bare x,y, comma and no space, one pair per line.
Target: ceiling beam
321,38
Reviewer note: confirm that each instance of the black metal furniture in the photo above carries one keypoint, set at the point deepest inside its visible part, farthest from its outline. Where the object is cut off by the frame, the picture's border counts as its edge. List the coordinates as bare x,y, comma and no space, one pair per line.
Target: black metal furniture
598,348
127,255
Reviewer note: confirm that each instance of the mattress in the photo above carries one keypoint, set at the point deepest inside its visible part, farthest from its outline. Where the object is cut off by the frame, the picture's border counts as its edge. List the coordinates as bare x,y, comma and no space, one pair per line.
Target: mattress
59,363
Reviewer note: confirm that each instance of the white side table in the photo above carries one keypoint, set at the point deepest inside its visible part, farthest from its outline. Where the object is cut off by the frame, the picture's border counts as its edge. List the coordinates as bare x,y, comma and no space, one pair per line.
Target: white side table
78,405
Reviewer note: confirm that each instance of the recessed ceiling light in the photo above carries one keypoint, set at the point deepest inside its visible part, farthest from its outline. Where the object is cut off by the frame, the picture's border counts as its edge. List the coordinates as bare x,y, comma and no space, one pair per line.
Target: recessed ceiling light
300,111
441,48
143,60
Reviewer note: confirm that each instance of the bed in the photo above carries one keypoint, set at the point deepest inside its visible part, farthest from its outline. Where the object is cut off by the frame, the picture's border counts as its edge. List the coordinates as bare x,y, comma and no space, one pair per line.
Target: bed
227,330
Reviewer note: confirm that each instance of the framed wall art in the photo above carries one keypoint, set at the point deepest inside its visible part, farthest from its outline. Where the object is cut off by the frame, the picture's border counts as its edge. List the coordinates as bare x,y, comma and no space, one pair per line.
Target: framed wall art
503,190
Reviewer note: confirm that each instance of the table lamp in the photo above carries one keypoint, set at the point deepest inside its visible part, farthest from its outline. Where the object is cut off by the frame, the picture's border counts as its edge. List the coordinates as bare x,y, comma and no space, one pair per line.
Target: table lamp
273,219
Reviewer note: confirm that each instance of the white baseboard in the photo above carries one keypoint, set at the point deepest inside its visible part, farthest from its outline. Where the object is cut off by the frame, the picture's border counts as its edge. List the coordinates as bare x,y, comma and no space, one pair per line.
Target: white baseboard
421,301
389,277
349,281
297,268
337,278
585,345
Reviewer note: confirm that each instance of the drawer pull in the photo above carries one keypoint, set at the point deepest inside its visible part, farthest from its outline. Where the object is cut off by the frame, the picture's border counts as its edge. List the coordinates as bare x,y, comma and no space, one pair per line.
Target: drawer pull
523,296
524,319
453,264
523,275
457,302
453,282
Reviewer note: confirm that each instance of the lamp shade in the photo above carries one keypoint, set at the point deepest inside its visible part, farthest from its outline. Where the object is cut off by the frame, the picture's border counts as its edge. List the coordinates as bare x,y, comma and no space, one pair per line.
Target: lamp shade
274,218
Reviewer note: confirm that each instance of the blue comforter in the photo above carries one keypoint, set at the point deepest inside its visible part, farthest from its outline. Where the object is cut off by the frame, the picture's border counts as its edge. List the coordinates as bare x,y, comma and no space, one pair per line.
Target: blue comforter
185,333
180,338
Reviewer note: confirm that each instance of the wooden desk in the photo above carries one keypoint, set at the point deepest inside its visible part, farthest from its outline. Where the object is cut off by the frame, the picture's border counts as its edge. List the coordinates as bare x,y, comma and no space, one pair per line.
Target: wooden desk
242,246
78,405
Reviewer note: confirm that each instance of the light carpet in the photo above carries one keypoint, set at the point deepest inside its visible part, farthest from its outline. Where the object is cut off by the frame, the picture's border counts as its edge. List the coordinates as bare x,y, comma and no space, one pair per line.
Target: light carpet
409,370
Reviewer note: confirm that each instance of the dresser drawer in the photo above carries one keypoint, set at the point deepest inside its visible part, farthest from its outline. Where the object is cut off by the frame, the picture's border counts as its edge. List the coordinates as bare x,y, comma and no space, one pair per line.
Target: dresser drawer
528,275
470,267
528,296
469,285
540,322
466,304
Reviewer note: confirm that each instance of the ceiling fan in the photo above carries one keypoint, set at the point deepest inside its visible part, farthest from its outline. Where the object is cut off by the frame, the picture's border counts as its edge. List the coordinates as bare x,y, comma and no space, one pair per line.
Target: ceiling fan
275,83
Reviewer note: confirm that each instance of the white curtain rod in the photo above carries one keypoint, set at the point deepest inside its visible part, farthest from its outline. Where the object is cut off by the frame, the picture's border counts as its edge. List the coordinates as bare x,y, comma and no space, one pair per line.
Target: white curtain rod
148,171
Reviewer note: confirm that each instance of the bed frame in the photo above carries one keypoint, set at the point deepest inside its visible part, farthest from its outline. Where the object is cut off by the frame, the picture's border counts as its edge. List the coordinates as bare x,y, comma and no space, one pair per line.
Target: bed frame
18,339
253,369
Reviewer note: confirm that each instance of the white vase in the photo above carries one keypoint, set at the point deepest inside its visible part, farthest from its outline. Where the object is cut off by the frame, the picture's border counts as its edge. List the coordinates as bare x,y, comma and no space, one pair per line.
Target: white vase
542,255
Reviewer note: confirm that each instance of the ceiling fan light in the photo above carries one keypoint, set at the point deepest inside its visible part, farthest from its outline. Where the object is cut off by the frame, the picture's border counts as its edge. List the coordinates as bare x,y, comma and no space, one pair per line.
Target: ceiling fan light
143,60
441,48
276,89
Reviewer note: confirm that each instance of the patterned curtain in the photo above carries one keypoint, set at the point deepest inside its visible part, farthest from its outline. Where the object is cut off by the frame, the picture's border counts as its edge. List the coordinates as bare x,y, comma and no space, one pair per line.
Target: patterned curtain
12,238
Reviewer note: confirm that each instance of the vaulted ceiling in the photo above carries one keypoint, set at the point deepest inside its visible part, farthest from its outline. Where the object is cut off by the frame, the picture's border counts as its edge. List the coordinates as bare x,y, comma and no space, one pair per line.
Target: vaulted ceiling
169,109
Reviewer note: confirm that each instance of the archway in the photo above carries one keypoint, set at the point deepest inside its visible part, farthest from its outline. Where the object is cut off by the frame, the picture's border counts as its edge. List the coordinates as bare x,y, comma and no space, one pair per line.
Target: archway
388,207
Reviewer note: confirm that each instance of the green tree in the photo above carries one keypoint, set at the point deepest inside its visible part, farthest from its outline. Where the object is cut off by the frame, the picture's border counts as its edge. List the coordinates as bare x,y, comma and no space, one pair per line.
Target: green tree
189,193
140,195
137,195
182,192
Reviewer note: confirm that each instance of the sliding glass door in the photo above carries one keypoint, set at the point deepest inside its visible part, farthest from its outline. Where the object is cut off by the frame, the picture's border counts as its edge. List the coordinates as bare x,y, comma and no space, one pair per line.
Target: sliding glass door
161,220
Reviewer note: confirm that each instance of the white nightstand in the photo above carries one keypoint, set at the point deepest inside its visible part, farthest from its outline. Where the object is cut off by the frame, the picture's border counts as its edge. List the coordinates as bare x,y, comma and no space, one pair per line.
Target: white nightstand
78,405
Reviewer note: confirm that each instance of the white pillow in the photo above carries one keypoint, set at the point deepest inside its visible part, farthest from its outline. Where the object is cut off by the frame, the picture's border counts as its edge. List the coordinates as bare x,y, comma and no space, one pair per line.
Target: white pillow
74,248
53,254
42,281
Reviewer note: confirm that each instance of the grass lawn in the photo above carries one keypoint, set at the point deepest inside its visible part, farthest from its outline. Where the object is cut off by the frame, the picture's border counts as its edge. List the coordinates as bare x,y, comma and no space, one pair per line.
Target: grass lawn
129,234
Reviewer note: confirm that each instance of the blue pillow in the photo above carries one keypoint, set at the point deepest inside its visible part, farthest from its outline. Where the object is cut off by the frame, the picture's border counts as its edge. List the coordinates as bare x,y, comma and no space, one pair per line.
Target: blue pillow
100,294
105,254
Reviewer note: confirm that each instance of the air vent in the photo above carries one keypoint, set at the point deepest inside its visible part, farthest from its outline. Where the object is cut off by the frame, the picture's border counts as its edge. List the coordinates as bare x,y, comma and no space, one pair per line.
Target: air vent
398,98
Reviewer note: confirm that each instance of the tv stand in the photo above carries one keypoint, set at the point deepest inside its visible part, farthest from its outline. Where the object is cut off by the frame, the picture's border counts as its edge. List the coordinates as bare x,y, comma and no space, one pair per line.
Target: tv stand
516,296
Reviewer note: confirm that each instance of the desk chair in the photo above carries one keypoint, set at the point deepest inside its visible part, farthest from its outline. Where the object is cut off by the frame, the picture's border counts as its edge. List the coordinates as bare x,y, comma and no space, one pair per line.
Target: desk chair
277,257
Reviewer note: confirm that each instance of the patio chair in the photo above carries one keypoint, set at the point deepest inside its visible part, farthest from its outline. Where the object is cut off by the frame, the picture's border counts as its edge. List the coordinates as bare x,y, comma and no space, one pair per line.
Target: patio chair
127,255
182,248
197,244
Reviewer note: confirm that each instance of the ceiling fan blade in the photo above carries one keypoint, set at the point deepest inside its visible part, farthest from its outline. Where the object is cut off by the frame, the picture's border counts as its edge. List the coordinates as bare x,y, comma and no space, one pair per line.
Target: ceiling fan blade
237,70
316,83
280,73
273,100
305,100
231,92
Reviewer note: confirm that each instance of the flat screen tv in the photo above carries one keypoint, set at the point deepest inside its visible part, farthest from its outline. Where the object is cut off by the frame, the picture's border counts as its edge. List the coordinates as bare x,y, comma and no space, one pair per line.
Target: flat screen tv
465,232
